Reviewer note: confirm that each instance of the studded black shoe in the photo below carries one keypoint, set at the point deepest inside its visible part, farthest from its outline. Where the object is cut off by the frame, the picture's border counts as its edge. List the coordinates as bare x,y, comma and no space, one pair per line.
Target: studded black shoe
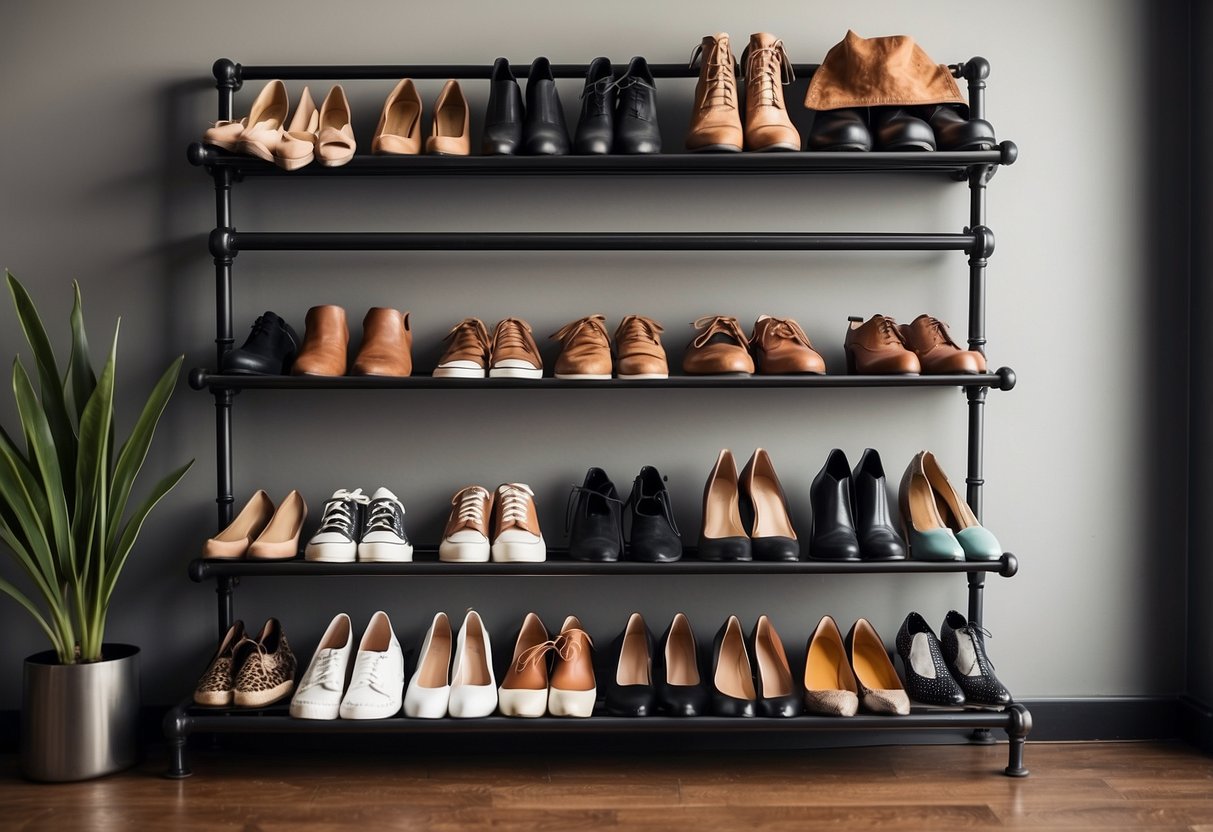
269,349
964,650
928,679
594,519
649,513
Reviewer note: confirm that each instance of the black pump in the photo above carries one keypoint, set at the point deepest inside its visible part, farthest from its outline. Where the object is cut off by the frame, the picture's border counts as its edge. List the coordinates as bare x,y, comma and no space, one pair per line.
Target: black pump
874,526
544,131
833,536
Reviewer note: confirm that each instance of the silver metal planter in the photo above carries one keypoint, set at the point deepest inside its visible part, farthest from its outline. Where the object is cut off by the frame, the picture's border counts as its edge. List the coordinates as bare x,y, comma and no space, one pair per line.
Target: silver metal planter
80,721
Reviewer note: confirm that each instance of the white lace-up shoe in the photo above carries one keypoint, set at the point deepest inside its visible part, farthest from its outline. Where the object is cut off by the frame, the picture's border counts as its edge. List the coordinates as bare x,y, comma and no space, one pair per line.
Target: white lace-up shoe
377,682
319,693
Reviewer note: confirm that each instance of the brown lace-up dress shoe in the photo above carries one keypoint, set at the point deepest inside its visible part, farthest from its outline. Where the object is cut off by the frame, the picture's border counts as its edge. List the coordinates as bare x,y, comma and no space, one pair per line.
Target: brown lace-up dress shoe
720,347
715,118
638,349
387,344
585,349
767,68
878,348
782,348
936,350
514,353
467,351
324,343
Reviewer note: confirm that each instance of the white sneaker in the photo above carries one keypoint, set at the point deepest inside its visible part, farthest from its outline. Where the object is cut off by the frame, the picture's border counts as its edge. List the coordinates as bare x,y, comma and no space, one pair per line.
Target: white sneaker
318,695
473,688
517,538
383,537
336,541
430,688
377,683
466,536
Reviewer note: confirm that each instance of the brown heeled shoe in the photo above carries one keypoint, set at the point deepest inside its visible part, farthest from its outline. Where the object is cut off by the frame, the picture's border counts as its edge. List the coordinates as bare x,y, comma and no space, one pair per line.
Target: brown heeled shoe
829,682
387,344
715,117
325,341
524,690
573,688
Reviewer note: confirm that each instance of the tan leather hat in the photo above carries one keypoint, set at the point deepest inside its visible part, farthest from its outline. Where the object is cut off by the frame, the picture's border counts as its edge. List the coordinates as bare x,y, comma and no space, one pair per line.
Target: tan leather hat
880,72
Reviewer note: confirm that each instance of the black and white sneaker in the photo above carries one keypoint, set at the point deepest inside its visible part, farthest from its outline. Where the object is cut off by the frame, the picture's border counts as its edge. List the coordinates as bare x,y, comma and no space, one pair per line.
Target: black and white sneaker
336,541
383,537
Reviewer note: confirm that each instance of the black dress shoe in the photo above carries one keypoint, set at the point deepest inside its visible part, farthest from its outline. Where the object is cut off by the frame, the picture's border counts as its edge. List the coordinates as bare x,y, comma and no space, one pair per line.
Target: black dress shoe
504,115
898,129
833,536
927,677
636,129
777,692
596,127
629,688
654,534
595,520
964,650
722,535
955,132
677,672
878,538
845,130
544,132
269,349
733,691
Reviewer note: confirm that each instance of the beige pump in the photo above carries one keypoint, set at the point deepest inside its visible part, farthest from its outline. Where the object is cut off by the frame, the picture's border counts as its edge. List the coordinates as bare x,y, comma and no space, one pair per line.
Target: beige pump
399,129
265,123
280,539
269,108
335,143
233,542
297,145
449,134
721,502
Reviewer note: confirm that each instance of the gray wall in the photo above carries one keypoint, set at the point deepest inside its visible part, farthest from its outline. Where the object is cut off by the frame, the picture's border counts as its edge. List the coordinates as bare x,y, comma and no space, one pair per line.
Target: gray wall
1084,477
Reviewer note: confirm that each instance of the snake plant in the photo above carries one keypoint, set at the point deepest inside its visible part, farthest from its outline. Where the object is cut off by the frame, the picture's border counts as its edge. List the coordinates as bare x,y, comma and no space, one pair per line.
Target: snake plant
64,490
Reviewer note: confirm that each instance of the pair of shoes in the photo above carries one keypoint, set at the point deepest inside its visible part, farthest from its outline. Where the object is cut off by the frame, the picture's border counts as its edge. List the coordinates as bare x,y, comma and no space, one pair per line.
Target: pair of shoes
716,119
766,532
937,521
247,672
509,519
956,672
324,135
851,517
585,349
269,350
942,126
881,346
618,115
778,345
752,678
354,526
840,676
538,129
399,130
595,520
260,531
471,353
369,689
563,685
464,688
386,350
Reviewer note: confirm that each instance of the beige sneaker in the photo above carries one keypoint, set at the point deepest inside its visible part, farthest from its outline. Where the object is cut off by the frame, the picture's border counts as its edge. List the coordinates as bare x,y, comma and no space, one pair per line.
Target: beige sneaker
516,535
466,537
467,351
514,351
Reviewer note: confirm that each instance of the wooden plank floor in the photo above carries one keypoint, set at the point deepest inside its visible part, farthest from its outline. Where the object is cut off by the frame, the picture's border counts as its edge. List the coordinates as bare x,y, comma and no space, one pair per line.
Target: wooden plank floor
1080,786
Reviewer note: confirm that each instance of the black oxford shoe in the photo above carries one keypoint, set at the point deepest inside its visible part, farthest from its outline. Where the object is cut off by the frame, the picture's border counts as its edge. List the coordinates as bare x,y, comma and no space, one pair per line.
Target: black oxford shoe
955,132
840,130
596,127
898,129
595,519
636,129
269,349
650,517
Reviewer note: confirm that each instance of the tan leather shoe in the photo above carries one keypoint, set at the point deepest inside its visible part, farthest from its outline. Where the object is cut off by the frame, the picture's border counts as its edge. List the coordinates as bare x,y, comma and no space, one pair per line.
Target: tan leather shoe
720,347
929,339
829,682
573,686
722,535
399,130
514,353
715,118
387,344
638,349
325,341
280,539
585,349
878,348
467,351
265,123
297,145
269,108
782,348
516,534
524,690
880,691
335,143
233,542
466,536
449,133
767,68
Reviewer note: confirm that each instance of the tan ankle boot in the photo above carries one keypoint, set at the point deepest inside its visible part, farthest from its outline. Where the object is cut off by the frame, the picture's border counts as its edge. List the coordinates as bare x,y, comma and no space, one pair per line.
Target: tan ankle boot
715,119
767,68
387,345
324,343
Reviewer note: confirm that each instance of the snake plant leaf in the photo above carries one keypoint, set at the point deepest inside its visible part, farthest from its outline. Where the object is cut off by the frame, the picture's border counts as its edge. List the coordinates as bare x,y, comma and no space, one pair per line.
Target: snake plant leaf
92,470
38,434
40,568
134,450
18,596
50,380
81,378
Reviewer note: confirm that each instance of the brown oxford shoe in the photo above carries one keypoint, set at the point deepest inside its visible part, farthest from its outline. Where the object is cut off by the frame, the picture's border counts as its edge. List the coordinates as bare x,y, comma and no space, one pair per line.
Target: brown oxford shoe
324,343
585,349
387,344
928,337
782,348
878,348
720,347
638,349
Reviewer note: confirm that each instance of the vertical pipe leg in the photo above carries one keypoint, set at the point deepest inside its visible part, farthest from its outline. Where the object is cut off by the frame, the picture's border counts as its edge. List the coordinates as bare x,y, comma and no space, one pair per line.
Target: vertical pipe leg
223,455
223,252
1017,732
223,589
176,731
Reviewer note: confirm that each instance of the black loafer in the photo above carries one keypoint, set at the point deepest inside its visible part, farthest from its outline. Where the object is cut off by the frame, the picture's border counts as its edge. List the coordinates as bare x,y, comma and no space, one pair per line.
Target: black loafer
898,129
678,672
928,679
636,129
504,115
840,130
544,130
654,536
596,127
953,131
269,349
878,539
964,650
595,519
833,534
629,684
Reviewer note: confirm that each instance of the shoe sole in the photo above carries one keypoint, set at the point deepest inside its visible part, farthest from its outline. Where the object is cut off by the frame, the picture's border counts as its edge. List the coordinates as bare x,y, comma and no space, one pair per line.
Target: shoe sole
781,147
262,698
385,552
377,712
458,372
527,704
571,703
715,148
214,699
464,552
519,552
514,372
331,554
334,163
255,149
584,376
324,712
293,164
636,376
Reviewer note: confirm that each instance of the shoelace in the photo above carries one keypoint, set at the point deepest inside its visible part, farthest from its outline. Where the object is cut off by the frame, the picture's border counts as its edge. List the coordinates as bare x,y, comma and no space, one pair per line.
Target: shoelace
761,68
721,73
567,646
515,500
979,634
941,329
719,324
666,509
371,674
511,333
640,328
326,664
383,515
597,323
597,91
339,511
470,502
889,332
571,507
472,328
785,328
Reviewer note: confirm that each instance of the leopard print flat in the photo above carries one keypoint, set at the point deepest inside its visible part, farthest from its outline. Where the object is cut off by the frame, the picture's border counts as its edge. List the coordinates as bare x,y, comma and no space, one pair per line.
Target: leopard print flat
215,686
265,668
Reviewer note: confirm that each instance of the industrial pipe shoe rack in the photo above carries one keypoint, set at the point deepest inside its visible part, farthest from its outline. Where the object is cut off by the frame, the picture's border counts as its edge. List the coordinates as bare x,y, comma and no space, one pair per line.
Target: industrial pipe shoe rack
977,241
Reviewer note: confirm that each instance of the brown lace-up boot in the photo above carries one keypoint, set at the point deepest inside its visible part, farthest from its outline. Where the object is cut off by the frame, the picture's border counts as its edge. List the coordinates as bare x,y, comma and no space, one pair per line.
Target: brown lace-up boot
715,119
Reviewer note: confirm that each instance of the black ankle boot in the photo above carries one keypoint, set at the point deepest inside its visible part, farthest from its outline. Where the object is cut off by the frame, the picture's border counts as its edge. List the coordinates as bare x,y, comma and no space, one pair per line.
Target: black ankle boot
504,114
544,132
269,349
